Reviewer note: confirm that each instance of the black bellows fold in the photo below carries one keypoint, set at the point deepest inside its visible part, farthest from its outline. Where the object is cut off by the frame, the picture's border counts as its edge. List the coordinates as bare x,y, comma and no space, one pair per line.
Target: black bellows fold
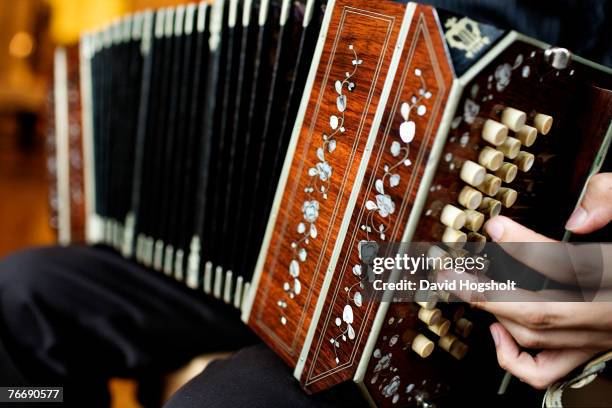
193,108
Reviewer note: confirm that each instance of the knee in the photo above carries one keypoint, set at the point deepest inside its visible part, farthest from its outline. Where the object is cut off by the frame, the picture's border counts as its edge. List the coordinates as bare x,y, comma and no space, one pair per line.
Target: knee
253,377
22,288
29,280
25,272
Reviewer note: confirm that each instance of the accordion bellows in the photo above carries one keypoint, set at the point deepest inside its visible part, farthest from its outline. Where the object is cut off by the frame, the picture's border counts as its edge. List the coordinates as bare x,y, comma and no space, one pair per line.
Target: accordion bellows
247,148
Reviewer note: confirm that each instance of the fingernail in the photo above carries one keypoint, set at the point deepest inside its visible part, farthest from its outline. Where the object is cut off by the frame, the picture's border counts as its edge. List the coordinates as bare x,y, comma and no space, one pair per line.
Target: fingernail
494,335
577,219
495,229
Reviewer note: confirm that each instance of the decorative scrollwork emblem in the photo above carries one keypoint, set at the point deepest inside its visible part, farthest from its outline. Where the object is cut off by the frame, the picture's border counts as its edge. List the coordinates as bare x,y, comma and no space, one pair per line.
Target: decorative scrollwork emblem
465,35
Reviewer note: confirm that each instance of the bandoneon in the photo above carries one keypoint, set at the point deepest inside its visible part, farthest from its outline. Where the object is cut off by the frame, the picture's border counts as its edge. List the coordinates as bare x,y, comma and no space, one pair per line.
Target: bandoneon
247,148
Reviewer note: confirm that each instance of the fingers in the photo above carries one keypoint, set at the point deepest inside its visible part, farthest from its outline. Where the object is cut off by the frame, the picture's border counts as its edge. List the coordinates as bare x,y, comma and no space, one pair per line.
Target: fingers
584,266
517,241
540,371
557,339
534,315
534,310
503,229
595,210
469,295
553,315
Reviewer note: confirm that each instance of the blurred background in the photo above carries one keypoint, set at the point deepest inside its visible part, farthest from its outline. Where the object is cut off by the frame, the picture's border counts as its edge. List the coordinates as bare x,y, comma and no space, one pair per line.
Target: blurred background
29,32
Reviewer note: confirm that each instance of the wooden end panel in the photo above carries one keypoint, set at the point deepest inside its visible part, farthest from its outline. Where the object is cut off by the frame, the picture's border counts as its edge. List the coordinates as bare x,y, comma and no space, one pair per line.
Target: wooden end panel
329,150
402,148
77,177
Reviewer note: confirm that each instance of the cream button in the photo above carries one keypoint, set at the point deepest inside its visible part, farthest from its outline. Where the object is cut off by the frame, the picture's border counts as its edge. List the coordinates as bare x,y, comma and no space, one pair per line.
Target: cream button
422,346
452,217
491,158
463,327
491,207
472,173
474,220
430,299
543,123
443,295
507,197
429,316
490,185
436,252
470,198
446,342
476,242
454,238
441,328
511,147
428,305
524,161
476,237
513,118
507,172
527,135
458,350
494,132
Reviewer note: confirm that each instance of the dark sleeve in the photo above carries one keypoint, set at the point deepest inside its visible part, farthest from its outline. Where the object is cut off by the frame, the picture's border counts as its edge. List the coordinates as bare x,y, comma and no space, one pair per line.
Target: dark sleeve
582,26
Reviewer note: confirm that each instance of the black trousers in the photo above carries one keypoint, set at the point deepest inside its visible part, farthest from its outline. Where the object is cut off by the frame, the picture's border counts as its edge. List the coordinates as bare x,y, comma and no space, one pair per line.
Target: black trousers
77,316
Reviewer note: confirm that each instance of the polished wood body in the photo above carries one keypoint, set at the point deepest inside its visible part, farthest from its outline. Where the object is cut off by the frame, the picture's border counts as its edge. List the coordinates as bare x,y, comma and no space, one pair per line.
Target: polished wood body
75,132
418,97
75,206
324,169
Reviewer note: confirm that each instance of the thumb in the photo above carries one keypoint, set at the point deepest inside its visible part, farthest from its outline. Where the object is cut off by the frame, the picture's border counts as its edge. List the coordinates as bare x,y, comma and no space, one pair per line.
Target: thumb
595,210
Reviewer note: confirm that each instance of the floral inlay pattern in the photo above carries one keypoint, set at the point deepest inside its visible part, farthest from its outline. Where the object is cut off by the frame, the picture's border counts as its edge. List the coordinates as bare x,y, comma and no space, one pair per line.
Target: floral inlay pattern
318,188
386,374
380,206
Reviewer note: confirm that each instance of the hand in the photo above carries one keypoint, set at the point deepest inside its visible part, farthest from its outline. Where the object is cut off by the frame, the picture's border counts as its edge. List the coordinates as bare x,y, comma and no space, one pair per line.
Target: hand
569,334
563,349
